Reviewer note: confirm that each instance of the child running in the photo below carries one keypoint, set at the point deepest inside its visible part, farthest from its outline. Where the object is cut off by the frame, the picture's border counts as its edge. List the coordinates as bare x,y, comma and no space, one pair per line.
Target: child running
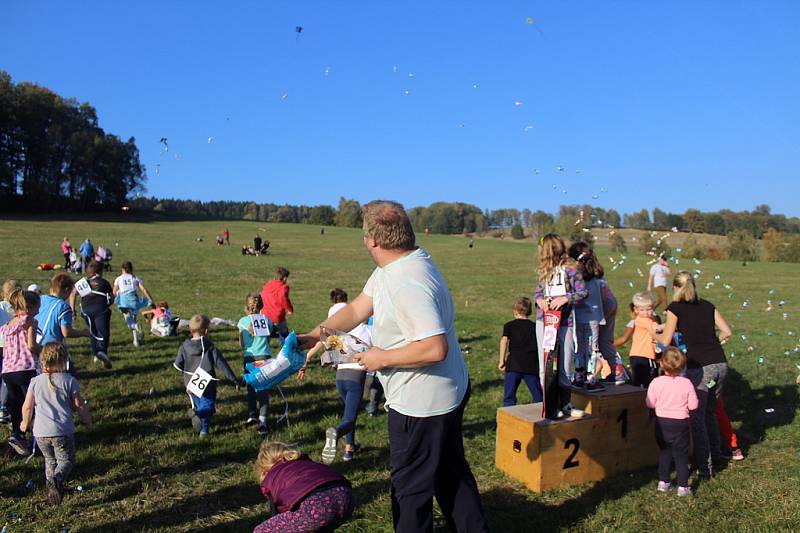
6,314
304,495
519,358
126,293
55,317
275,298
96,297
20,361
198,359
254,343
672,397
54,395
643,354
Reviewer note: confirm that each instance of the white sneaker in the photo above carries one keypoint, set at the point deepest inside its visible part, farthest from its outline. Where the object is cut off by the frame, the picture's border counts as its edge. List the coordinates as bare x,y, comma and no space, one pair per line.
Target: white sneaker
329,451
664,486
135,337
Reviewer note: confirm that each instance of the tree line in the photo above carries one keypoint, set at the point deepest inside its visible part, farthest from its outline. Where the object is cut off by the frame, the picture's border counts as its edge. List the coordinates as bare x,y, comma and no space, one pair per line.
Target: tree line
55,157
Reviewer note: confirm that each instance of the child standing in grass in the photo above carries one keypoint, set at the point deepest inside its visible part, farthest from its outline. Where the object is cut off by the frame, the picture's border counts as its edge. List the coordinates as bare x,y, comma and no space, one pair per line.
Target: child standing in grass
643,354
255,348
303,495
519,358
672,397
589,314
55,395
20,361
198,359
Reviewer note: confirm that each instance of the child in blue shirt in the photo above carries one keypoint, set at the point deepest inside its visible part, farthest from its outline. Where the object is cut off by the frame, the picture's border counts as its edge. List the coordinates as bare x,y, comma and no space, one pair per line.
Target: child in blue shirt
255,348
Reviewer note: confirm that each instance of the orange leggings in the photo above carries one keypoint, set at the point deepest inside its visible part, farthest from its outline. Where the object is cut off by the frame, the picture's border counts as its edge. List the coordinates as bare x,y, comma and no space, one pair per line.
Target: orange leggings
725,429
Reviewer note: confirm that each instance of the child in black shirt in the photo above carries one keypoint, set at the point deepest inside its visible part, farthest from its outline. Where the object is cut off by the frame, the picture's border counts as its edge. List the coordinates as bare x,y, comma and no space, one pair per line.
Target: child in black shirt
521,362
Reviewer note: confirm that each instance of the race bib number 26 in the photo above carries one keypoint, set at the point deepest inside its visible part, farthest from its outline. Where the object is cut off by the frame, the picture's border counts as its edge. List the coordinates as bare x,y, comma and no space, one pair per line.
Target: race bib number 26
198,382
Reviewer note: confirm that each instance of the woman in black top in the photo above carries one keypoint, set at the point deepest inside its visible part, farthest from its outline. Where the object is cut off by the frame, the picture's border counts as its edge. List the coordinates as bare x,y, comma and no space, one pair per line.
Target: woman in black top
698,320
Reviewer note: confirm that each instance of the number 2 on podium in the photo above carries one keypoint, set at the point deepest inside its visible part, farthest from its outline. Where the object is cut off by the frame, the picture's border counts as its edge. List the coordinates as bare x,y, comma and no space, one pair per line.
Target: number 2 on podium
576,445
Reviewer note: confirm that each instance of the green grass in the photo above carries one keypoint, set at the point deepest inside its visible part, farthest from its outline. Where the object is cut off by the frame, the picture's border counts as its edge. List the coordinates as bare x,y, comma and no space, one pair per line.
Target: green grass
142,468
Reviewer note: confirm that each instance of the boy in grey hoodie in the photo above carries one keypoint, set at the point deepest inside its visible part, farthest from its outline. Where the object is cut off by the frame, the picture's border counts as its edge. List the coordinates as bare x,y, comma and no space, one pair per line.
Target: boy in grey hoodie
198,359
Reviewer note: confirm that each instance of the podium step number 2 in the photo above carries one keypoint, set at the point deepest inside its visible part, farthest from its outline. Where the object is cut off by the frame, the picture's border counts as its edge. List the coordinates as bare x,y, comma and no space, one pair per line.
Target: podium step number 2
615,435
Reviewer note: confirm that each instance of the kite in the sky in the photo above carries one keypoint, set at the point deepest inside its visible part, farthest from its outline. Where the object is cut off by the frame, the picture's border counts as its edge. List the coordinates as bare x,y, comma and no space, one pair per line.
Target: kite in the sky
163,142
297,30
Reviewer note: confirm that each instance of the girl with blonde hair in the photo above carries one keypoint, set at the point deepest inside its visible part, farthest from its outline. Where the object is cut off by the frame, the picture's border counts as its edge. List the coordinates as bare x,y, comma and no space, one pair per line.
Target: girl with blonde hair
20,360
698,321
560,287
303,495
6,314
255,348
55,395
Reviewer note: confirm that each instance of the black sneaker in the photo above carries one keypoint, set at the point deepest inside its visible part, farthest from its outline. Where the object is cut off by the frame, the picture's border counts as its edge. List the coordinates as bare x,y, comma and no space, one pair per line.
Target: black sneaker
250,421
4,418
53,494
103,356
594,387
19,444
263,430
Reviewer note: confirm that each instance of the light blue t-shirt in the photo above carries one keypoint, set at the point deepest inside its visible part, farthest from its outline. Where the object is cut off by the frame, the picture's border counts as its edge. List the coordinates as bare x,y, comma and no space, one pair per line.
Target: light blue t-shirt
53,313
411,302
253,346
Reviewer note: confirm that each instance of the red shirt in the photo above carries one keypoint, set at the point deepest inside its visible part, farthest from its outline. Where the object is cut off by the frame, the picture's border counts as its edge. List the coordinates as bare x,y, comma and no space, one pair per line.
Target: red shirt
288,482
275,295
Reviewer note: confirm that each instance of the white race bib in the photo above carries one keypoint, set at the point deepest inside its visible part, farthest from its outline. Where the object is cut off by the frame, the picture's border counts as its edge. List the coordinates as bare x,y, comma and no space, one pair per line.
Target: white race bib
199,382
549,337
260,325
83,287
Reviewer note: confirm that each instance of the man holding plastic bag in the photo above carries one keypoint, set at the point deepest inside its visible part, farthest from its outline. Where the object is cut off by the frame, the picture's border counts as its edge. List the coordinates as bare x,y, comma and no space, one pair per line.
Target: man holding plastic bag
416,354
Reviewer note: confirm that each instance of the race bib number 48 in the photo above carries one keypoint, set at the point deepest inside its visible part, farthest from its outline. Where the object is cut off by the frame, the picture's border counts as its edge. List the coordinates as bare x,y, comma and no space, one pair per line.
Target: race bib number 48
260,325
198,382
83,288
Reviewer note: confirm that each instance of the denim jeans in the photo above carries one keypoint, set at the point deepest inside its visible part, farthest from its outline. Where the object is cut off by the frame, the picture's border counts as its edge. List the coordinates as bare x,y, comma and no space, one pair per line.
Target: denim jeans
350,391
59,455
511,382
705,428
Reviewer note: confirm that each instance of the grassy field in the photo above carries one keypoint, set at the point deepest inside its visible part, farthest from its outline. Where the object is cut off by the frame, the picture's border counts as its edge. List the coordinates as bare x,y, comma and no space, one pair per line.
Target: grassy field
142,468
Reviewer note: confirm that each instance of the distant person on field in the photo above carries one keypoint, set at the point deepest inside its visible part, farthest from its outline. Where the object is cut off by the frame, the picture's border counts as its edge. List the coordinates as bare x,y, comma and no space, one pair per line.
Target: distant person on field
254,349
257,243
127,299
659,279
227,235
20,361
96,311
673,398
87,253
200,352
275,297
6,314
519,354
54,395
643,347
66,248
303,495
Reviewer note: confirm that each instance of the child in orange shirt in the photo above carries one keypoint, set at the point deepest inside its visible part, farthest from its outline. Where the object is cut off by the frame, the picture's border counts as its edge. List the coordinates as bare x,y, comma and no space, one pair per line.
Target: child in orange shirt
643,353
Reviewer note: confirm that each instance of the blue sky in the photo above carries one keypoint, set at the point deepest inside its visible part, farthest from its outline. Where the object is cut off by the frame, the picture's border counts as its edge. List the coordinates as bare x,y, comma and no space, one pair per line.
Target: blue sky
669,104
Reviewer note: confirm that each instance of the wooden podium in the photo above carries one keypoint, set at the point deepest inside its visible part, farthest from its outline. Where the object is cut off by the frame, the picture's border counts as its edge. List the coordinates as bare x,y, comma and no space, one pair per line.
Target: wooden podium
615,435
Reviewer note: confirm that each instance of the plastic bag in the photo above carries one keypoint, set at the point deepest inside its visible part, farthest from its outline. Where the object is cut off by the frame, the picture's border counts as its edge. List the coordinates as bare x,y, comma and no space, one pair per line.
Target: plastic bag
264,375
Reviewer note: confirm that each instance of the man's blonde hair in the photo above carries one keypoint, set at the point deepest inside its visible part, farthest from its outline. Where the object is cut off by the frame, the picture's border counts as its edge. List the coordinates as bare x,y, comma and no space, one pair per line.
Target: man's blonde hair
643,299
387,223
198,323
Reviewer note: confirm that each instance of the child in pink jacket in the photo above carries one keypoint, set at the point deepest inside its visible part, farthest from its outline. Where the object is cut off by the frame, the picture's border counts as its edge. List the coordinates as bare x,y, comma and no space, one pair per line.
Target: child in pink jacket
672,396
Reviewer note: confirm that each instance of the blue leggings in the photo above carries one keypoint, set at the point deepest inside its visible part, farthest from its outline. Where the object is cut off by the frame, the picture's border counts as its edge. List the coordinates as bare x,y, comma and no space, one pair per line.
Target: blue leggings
350,392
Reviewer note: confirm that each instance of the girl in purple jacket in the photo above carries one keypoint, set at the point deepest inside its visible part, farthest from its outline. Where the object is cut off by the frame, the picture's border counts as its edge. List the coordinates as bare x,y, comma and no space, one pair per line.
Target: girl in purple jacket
303,495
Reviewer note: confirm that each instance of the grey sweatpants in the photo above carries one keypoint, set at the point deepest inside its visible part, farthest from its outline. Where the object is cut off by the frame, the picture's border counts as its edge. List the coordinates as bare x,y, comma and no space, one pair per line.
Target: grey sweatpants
59,455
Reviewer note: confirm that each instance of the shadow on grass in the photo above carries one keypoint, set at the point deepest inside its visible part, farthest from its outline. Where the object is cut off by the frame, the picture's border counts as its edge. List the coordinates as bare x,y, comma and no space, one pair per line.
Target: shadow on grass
749,407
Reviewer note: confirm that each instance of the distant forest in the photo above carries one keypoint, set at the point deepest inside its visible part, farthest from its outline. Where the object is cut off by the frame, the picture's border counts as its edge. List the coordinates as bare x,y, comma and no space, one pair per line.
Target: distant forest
55,158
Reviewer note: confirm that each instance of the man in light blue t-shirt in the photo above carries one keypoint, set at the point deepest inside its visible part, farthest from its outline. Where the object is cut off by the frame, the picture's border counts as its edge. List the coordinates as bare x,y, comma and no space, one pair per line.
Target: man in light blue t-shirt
418,359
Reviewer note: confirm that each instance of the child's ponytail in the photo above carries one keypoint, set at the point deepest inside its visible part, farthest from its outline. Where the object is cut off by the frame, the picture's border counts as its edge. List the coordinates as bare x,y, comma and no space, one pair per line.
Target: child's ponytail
53,358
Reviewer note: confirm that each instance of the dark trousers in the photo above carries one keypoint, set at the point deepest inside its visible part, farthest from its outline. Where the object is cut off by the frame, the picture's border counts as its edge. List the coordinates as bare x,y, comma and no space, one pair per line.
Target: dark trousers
350,391
672,436
511,383
257,401
17,386
644,371
3,391
99,322
427,456
66,262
